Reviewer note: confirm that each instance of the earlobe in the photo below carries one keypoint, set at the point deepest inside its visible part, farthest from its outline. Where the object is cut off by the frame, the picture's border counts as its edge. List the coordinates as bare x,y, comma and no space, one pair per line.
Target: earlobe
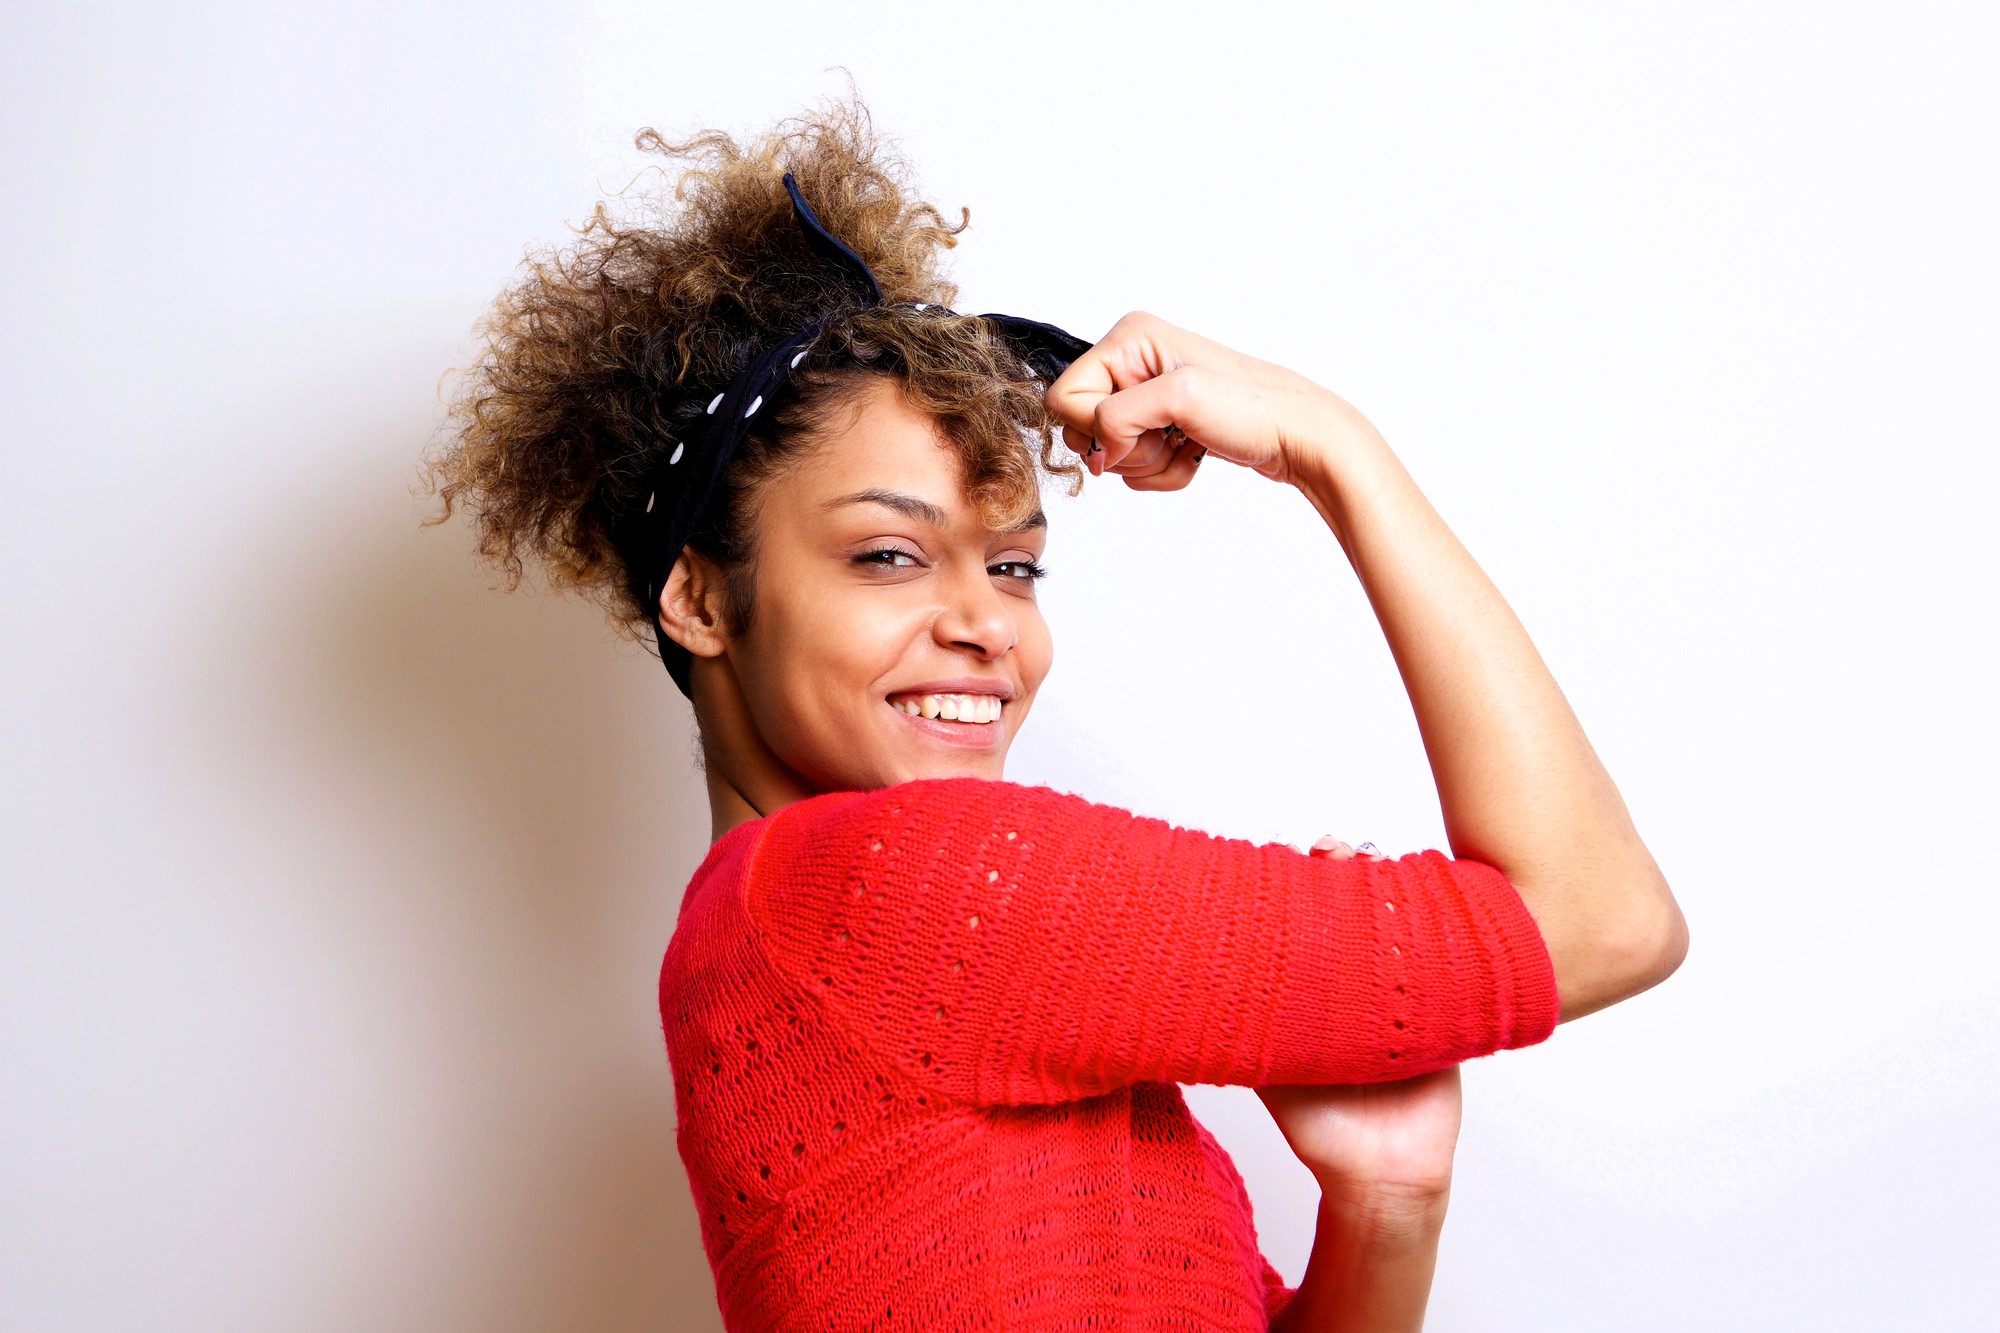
690,608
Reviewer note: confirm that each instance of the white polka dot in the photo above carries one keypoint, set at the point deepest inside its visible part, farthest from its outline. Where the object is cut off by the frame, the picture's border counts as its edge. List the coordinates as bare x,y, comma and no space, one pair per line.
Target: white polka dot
755,403
795,360
649,501
679,449
714,403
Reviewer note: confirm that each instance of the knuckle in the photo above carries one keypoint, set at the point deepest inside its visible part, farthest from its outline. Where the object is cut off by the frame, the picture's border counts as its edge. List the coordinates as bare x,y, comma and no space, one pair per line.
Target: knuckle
1137,324
1061,401
1106,416
1192,388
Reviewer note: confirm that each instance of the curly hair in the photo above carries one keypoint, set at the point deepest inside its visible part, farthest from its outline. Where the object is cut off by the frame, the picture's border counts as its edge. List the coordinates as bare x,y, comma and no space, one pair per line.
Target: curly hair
602,355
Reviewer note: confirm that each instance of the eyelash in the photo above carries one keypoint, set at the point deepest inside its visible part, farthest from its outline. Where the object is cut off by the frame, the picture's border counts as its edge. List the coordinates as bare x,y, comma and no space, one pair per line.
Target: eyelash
1033,569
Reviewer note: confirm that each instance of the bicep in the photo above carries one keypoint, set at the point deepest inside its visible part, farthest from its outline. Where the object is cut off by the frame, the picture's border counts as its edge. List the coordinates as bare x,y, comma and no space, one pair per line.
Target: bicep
1016,945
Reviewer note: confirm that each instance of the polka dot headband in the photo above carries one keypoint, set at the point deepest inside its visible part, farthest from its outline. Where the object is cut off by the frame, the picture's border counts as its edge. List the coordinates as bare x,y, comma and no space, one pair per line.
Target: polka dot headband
684,487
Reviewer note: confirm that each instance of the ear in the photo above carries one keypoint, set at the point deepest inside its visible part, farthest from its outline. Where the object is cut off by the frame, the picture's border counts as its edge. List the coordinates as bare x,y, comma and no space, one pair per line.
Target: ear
691,606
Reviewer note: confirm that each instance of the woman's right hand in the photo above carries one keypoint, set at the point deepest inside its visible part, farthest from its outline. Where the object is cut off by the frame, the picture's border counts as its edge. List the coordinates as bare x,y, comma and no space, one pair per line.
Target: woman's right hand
1117,401
1377,1146
1382,1153
1380,1147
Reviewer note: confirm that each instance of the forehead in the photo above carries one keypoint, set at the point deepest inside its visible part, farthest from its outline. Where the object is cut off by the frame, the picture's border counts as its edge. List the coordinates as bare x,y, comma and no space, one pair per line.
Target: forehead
879,453
878,442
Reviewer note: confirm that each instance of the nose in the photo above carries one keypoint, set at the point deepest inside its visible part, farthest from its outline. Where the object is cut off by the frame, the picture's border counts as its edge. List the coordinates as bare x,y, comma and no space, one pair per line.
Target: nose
975,618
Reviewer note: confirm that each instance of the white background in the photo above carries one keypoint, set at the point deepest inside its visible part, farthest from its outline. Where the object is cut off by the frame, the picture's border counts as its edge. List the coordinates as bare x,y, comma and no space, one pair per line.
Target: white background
336,883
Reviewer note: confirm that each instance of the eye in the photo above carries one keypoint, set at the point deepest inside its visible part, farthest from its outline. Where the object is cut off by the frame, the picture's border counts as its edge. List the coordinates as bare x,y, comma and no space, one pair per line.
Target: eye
888,557
1026,570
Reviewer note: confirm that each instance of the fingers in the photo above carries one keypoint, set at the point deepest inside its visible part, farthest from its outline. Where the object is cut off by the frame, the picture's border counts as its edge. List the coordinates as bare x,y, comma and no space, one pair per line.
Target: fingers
1079,443
1162,460
1334,849
1146,375
1148,457
1176,472
1151,453
1127,426
1136,348
1114,401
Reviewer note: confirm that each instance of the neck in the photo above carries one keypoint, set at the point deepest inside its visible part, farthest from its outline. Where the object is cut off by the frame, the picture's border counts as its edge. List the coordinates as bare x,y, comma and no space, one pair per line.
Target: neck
746,780
727,805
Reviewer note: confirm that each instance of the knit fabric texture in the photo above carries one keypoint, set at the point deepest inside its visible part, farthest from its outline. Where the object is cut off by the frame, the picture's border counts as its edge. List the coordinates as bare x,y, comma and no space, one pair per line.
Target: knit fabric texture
925,1041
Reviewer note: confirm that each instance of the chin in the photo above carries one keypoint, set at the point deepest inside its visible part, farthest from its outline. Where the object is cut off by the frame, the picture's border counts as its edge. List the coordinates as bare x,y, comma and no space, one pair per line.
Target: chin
946,764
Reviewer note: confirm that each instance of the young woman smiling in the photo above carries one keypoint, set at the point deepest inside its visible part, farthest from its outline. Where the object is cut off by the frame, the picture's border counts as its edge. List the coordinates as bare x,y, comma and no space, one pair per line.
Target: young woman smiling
926,1025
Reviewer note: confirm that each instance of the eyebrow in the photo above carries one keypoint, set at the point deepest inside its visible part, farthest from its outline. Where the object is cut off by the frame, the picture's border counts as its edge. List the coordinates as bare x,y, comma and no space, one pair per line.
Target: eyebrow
922,510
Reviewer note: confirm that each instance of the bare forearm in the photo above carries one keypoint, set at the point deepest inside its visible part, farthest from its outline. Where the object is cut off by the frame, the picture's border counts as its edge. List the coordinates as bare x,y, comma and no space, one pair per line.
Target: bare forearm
1371,1269
1520,786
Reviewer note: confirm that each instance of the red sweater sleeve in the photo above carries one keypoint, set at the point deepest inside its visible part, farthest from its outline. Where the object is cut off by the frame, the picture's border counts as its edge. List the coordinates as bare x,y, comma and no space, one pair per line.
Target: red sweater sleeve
1015,945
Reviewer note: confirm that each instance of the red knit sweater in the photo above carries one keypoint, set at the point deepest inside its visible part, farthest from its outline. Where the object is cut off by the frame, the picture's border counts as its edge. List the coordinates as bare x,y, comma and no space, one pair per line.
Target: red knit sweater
925,1042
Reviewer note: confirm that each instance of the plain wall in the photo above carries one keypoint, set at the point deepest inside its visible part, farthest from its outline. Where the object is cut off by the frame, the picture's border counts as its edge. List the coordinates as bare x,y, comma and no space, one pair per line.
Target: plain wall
336,883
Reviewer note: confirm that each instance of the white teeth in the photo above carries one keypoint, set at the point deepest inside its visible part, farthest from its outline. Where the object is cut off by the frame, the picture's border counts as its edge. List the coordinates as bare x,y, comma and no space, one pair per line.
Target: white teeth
974,708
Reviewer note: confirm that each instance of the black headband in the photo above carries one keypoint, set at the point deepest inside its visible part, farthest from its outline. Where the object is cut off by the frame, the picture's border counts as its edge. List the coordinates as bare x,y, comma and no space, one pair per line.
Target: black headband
684,487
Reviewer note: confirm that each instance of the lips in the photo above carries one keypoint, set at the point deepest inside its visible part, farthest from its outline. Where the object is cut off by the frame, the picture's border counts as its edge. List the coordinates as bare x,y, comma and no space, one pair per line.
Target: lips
957,710
979,709
998,686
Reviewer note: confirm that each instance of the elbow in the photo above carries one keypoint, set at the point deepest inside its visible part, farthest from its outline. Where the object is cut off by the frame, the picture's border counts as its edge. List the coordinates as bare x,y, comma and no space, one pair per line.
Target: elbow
1646,945
1651,944
1673,942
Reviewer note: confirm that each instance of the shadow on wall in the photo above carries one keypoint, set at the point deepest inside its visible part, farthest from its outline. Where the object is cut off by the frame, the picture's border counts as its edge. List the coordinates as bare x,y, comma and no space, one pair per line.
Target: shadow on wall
483,812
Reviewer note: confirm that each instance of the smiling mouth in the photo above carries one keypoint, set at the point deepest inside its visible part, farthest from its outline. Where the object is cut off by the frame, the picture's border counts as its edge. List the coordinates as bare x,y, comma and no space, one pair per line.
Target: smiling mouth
978,709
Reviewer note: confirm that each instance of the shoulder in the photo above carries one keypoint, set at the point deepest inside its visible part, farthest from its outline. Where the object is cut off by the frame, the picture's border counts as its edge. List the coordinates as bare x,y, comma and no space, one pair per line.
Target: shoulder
920,794
944,815
724,862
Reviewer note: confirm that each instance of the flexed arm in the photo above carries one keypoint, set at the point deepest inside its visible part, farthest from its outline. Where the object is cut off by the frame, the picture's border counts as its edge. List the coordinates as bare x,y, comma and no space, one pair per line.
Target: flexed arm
1014,945
1521,788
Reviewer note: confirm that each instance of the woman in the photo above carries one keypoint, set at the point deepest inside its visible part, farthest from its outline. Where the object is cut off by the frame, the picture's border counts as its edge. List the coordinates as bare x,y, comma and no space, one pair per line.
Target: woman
925,1025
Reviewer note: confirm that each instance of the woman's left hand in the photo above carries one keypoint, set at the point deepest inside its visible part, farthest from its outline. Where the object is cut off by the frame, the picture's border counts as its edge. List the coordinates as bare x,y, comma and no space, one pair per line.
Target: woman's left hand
1150,399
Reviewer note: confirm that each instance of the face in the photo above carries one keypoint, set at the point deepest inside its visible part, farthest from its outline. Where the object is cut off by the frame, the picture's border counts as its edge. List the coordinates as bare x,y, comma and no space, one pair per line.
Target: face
895,636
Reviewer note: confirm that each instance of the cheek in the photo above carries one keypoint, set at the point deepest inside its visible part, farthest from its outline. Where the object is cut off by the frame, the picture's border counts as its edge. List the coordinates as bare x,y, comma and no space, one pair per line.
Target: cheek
1036,647
830,651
